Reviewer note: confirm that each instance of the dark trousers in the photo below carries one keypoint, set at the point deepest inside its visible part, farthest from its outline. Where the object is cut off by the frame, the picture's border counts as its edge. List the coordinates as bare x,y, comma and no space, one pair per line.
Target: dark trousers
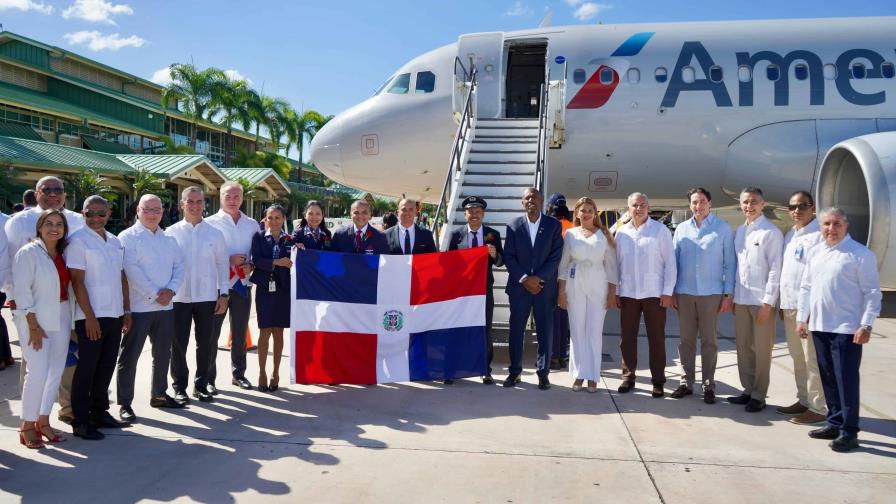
185,314
238,307
489,339
159,326
96,365
542,306
838,363
630,321
560,345
5,348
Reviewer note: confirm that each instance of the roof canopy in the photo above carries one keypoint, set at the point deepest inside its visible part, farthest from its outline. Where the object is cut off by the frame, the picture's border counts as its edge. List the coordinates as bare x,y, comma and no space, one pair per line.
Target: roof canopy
265,178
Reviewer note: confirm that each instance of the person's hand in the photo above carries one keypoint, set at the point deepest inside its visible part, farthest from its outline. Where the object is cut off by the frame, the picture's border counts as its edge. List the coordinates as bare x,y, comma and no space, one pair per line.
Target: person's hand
611,301
221,305
802,329
618,302
165,296
237,260
300,246
492,251
726,305
675,302
561,300
532,284
283,261
862,336
93,328
665,301
11,303
126,322
764,314
36,336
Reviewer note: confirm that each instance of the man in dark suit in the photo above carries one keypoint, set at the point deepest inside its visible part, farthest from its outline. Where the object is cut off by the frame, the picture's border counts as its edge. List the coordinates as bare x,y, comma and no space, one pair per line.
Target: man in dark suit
407,237
360,237
474,234
532,251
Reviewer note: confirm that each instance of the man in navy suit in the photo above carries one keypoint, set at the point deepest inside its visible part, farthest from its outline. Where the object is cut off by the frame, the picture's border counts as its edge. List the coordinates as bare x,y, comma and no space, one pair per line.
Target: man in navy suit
407,237
532,253
474,234
360,237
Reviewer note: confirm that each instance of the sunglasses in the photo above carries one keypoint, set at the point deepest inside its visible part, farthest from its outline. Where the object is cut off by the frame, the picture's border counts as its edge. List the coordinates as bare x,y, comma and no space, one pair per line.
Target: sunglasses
95,213
52,190
801,206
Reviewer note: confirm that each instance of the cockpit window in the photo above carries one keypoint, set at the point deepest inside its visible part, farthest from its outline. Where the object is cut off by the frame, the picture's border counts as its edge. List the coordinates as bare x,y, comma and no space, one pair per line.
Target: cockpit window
383,85
426,82
400,84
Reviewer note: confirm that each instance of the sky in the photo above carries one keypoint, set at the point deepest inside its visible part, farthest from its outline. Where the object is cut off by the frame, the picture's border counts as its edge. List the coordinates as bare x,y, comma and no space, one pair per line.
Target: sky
328,55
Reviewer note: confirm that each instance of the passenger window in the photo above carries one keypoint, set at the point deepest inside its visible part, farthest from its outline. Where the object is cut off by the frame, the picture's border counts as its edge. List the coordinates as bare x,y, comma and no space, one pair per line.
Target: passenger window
887,70
578,76
773,72
400,84
426,82
715,73
830,71
606,75
801,71
858,71
661,74
688,75
744,73
634,75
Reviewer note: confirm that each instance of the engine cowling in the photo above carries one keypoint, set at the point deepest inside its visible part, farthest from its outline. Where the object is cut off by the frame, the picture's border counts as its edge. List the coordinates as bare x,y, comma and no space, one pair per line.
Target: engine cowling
859,176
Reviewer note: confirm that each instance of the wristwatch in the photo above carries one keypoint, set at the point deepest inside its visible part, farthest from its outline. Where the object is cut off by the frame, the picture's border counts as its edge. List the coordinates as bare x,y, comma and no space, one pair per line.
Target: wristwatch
225,296
867,328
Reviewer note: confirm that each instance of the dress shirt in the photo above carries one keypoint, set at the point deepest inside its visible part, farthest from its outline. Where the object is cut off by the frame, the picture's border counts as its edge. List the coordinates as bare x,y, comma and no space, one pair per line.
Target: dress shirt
646,260
797,243
5,259
479,237
206,263
237,235
20,227
840,290
533,228
363,230
152,262
705,257
102,262
758,246
401,231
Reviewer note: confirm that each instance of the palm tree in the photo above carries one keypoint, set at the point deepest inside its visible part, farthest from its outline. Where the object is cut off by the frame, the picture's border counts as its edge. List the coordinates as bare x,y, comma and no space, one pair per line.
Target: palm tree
268,112
194,88
230,98
87,183
171,148
143,181
301,127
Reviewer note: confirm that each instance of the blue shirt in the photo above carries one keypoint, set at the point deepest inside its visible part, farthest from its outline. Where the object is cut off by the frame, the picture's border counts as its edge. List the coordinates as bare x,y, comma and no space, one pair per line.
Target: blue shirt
705,257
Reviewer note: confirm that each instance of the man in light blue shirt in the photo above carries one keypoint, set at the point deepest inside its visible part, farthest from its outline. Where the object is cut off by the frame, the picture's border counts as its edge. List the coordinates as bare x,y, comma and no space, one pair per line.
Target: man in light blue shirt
704,254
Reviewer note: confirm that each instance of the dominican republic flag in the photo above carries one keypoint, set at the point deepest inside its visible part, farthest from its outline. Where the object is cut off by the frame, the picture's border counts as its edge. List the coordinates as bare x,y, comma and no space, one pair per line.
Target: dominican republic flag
368,319
238,281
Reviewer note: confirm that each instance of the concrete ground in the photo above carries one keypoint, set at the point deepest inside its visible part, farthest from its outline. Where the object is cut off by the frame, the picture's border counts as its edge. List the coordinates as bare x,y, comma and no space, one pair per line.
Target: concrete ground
427,442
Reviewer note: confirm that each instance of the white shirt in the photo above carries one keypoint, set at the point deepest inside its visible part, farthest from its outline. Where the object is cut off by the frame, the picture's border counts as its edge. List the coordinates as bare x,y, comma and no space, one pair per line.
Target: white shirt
36,288
5,259
840,290
401,232
797,243
20,228
533,228
102,262
646,260
238,235
478,234
206,262
587,264
152,262
758,246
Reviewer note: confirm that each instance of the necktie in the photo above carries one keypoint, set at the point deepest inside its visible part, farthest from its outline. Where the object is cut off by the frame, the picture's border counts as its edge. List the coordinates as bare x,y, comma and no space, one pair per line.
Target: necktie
475,241
407,241
358,240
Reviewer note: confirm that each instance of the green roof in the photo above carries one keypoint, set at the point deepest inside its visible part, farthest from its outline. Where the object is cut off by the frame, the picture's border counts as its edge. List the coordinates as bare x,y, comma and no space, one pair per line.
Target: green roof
256,176
98,145
19,131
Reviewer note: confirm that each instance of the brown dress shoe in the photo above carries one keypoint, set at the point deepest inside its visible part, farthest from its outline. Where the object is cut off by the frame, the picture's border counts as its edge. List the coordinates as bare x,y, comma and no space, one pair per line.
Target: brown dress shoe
794,409
808,417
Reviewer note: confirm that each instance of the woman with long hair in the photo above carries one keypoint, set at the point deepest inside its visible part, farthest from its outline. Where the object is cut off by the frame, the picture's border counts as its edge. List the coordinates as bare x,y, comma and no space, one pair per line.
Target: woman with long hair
587,279
312,232
43,318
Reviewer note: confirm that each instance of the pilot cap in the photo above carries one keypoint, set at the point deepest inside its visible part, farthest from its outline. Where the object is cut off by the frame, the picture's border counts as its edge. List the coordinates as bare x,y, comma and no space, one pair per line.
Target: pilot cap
473,202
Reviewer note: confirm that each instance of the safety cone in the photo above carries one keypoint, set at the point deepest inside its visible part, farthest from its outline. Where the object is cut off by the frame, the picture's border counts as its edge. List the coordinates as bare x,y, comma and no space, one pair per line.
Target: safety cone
249,345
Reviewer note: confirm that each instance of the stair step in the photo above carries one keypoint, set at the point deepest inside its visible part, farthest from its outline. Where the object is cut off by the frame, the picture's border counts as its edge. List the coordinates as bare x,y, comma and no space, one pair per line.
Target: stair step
514,157
495,184
513,178
500,131
500,173
502,151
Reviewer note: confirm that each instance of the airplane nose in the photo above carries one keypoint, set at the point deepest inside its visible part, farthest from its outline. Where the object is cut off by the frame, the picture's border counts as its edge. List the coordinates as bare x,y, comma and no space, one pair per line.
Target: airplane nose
326,150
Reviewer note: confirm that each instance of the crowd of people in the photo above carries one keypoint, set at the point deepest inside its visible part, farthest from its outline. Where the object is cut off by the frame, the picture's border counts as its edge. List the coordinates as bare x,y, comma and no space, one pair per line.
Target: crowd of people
73,287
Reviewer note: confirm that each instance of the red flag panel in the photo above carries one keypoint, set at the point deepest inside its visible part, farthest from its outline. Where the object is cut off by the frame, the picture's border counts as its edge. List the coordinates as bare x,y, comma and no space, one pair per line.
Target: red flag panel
448,275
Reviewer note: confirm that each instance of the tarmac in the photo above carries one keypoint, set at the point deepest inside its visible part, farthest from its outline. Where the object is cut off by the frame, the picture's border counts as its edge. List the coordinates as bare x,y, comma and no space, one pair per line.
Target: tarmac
468,442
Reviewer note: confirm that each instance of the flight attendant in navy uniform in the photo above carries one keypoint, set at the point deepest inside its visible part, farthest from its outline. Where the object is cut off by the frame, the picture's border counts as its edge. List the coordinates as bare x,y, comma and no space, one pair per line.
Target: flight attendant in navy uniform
359,237
312,233
474,234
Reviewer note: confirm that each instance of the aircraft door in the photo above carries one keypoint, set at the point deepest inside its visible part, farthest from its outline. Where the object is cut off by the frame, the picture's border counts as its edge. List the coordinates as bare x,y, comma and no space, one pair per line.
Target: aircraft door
486,50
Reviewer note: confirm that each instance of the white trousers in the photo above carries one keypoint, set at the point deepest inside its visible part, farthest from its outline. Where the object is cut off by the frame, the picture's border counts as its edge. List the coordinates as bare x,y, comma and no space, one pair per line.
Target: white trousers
44,367
586,334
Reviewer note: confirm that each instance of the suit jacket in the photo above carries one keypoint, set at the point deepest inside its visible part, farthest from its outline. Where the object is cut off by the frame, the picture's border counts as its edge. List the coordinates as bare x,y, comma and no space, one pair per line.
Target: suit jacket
373,243
459,241
423,241
326,238
542,260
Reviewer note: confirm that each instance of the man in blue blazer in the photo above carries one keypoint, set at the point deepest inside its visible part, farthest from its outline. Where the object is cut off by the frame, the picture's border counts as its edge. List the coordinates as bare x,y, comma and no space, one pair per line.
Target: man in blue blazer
360,237
532,251
407,237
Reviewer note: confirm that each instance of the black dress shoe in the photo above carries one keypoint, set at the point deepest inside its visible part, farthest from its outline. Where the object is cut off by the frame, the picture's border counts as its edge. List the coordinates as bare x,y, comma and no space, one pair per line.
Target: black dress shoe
709,396
213,390
488,380
741,399
543,383
181,397
165,401
626,386
826,432
66,419
243,383
845,443
681,391
126,414
511,380
448,381
754,406
88,433
657,392
202,395
105,420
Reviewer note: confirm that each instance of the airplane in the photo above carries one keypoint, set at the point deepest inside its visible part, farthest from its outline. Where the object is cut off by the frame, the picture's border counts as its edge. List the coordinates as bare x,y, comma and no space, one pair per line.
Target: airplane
784,105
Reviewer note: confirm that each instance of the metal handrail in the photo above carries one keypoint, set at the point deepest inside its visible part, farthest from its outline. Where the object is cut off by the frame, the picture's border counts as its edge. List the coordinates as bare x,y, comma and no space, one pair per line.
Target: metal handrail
542,139
454,165
467,75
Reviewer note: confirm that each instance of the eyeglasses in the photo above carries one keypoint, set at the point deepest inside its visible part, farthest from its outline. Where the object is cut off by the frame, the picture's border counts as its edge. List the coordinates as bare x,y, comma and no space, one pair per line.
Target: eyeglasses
95,213
156,210
801,206
52,190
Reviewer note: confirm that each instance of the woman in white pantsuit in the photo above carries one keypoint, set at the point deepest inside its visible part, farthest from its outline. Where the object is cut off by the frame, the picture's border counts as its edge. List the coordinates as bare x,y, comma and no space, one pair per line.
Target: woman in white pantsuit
587,277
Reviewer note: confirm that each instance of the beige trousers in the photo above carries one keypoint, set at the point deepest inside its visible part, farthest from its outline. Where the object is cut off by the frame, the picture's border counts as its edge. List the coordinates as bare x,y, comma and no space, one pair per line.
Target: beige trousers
754,342
805,366
698,315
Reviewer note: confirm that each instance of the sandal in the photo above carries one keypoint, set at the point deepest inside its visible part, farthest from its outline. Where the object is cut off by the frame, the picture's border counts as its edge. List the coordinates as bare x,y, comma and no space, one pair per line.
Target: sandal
30,443
55,438
275,382
577,386
263,383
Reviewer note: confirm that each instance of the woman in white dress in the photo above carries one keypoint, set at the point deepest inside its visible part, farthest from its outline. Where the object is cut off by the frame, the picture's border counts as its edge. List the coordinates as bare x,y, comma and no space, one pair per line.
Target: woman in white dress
587,277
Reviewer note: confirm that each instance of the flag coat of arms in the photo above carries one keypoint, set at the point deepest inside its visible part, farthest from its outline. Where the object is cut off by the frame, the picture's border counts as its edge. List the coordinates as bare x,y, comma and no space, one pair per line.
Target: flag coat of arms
368,319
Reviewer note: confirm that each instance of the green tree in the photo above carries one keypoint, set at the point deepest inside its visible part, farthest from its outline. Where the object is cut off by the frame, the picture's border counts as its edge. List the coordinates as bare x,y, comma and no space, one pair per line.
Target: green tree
302,127
10,190
193,88
250,190
172,148
231,99
268,112
87,183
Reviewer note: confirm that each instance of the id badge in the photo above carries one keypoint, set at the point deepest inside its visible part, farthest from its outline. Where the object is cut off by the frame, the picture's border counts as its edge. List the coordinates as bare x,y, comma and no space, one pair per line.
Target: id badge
798,253
272,286
572,272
